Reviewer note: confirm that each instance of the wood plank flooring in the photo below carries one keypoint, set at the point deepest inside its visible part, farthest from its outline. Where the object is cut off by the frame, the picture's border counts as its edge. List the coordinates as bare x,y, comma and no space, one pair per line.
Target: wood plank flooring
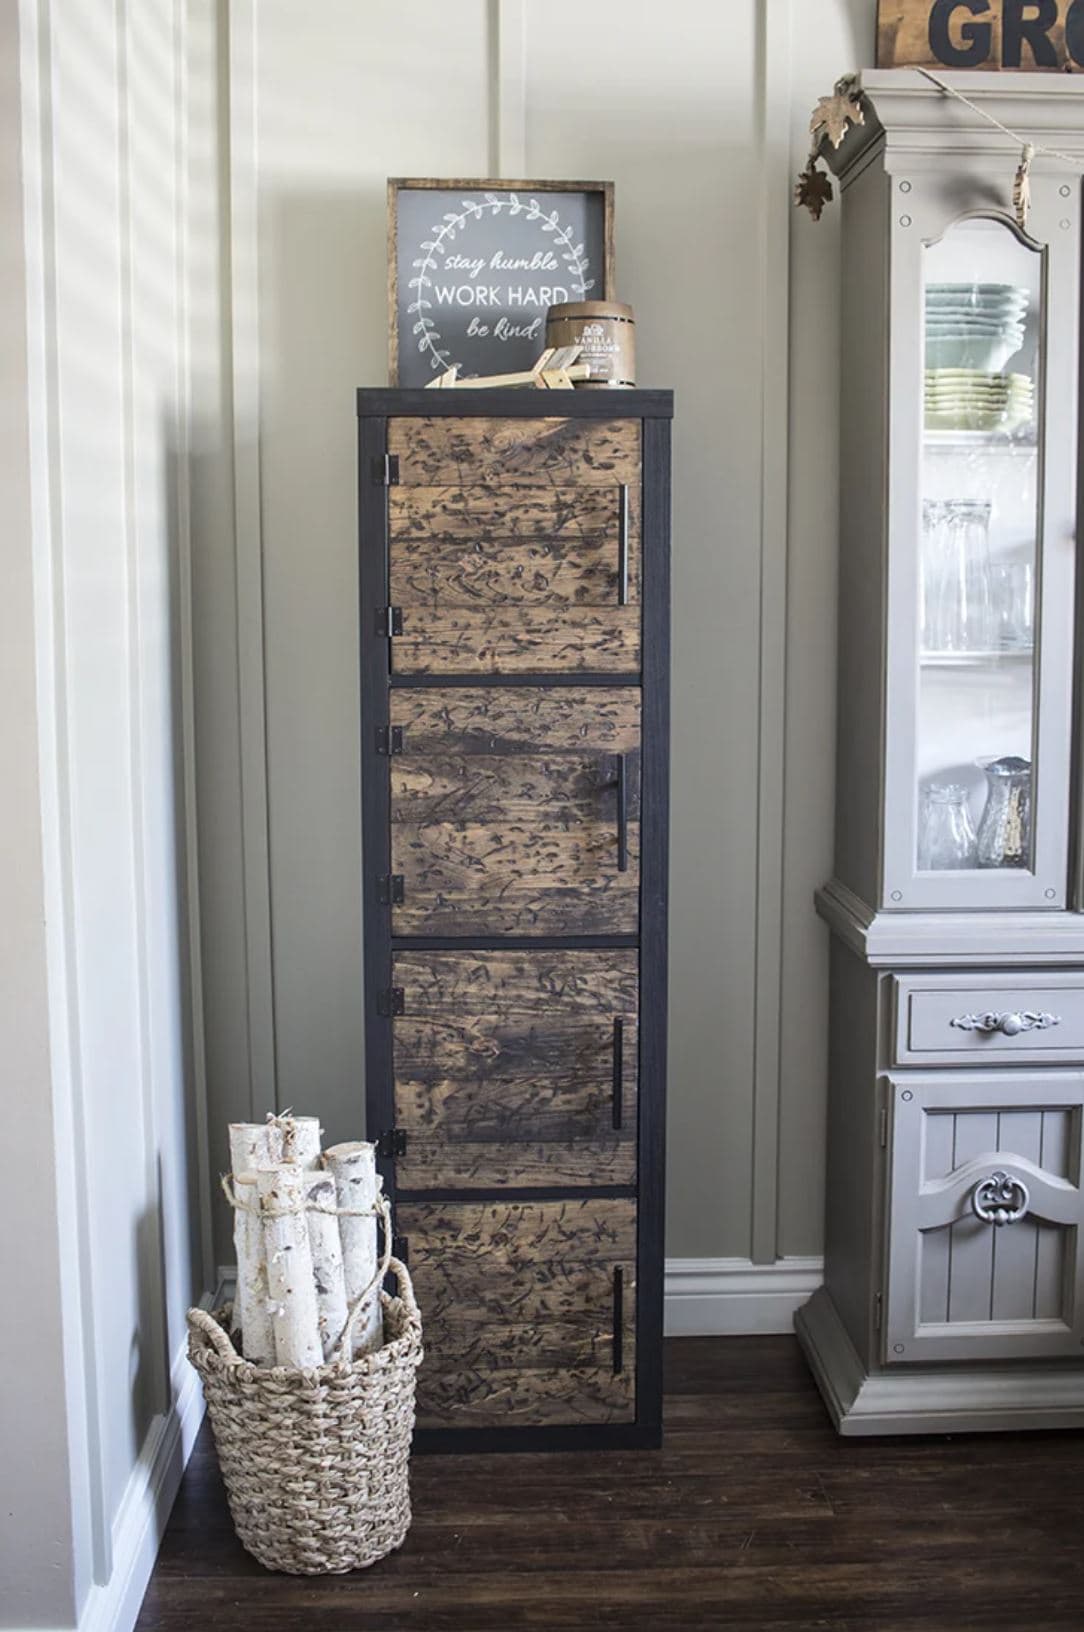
754,1515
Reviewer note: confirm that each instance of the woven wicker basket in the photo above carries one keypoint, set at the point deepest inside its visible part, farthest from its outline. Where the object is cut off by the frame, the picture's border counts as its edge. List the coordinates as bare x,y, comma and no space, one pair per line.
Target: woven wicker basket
316,1461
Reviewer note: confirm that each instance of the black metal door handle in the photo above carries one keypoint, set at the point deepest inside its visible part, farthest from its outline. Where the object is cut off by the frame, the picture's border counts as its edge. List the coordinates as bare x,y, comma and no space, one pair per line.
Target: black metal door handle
619,1320
618,1072
622,815
623,546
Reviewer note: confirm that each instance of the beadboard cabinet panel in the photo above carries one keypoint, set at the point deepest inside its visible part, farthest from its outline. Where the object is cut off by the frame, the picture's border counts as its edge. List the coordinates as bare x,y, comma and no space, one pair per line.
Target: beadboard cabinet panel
515,611
516,1068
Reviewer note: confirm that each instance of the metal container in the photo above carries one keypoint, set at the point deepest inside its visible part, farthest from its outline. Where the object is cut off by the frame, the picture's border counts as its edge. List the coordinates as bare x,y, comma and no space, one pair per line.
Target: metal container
606,332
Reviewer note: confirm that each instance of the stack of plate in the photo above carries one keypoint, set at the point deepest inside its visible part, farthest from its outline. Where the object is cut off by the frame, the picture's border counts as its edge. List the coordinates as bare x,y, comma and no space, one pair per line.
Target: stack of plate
969,399
974,325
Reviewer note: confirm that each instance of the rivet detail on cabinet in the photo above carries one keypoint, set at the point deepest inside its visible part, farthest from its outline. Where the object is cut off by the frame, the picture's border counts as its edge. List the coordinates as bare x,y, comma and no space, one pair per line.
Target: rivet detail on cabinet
1050,894
1064,191
897,895
905,220
907,1094
1065,224
905,186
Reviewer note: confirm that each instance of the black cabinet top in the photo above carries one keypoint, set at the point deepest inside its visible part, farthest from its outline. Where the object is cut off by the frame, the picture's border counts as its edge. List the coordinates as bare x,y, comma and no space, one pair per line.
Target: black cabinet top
519,402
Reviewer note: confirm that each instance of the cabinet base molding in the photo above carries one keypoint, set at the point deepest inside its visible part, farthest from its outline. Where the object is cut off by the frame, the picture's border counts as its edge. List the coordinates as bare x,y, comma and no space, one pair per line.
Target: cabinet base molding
965,1399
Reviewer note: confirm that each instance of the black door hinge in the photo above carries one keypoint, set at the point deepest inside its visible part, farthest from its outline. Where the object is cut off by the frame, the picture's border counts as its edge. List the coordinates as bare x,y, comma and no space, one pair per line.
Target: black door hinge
386,469
389,621
391,1143
390,1001
392,890
389,739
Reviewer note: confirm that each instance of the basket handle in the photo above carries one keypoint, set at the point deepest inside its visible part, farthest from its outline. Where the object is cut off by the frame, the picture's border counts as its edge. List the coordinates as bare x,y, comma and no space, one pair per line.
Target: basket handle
406,1289
209,1329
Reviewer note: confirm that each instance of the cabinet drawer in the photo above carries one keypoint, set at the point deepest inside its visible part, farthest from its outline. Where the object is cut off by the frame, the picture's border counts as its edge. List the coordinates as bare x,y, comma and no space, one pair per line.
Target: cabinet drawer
984,1217
515,1068
947,1019
529,1311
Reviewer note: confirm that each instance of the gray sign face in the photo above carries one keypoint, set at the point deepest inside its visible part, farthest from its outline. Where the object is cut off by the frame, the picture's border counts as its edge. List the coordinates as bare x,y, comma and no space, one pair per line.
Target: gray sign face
476,272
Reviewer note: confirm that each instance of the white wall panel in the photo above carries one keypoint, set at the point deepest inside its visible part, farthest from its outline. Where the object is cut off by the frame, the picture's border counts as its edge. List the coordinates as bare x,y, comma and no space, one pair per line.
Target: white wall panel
105,243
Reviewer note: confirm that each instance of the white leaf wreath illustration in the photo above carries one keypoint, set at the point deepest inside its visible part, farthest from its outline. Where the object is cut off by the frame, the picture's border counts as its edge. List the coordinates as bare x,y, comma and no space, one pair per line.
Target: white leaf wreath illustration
429,337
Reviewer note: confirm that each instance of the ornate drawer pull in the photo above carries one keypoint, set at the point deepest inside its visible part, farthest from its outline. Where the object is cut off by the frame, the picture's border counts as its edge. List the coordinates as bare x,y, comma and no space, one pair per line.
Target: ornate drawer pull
1000,1200
1010,1024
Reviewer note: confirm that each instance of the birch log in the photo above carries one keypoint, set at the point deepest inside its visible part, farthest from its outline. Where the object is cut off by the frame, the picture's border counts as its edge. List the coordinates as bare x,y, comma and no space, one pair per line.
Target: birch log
353,1167
327,1259
250,1147
289,1265
299,1140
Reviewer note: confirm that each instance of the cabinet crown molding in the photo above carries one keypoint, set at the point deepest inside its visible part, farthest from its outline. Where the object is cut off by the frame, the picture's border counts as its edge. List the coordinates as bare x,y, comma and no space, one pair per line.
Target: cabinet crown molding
907,115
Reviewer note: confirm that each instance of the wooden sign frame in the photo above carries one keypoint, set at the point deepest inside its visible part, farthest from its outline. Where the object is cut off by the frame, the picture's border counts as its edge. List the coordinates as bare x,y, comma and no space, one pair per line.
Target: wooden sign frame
980,34
503,187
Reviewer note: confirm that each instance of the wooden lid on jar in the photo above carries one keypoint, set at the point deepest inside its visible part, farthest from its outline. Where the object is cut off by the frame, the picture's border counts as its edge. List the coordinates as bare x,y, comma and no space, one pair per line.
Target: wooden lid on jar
615,310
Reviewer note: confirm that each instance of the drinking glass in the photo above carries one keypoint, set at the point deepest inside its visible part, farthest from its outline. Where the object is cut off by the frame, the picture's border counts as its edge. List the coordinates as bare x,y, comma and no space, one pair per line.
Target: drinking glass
956,577
1012,605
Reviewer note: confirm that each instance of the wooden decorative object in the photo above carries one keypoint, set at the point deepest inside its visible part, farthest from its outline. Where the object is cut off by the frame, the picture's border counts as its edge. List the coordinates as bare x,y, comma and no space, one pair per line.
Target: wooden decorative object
990,34
556,370
514,693
473,267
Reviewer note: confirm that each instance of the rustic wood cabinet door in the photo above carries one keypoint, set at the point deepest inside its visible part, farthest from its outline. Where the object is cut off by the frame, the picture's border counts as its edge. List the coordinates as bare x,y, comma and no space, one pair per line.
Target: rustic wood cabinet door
529,1311
516,811
516,1068
514,547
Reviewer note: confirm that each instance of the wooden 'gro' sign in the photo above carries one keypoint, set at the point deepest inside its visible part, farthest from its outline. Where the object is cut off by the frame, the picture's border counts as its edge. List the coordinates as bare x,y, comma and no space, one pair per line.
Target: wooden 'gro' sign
473,267
992,34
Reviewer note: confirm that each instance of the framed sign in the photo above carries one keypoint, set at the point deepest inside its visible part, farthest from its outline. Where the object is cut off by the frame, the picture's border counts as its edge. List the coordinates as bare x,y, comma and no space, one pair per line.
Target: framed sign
474,265
989,34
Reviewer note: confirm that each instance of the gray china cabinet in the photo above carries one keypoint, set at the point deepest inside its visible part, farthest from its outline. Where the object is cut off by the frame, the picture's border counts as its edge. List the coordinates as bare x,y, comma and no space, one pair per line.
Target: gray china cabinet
954,1266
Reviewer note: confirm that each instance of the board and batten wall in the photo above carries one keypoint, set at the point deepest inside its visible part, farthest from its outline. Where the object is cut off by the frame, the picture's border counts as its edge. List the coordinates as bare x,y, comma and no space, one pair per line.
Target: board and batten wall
109,196
699,113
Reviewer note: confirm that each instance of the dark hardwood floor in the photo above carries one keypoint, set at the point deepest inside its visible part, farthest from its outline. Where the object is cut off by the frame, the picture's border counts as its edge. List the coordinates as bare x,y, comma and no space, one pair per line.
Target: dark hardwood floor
754,1515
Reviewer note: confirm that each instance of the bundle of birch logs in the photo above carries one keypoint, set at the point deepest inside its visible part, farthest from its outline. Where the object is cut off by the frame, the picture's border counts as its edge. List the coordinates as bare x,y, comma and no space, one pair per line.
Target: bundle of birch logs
306,1241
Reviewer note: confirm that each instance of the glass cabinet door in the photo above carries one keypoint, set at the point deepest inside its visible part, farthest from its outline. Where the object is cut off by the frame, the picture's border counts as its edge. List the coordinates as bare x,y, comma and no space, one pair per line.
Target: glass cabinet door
980,609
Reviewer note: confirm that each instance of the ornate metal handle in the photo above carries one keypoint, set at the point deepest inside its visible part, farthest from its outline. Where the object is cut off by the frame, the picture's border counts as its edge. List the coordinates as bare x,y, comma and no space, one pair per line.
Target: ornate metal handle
1000,1200
1010,1024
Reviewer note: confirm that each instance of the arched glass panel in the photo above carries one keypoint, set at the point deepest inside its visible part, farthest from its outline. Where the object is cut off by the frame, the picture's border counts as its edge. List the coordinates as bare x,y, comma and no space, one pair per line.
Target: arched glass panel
979,560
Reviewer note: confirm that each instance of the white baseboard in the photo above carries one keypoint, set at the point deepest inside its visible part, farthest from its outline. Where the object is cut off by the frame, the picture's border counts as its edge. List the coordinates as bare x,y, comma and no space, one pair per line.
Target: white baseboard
113,1605
731,1297
706,1297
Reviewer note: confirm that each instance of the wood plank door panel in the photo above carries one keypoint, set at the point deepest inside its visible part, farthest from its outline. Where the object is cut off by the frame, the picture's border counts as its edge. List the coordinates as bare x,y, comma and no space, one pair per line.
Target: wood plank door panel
505,811
529,1311
449,451
498,578
505,545
516,1068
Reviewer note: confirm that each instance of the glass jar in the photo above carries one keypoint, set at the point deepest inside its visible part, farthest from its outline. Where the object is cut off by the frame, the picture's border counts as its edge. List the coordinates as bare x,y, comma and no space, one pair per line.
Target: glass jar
946,835
1005,829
